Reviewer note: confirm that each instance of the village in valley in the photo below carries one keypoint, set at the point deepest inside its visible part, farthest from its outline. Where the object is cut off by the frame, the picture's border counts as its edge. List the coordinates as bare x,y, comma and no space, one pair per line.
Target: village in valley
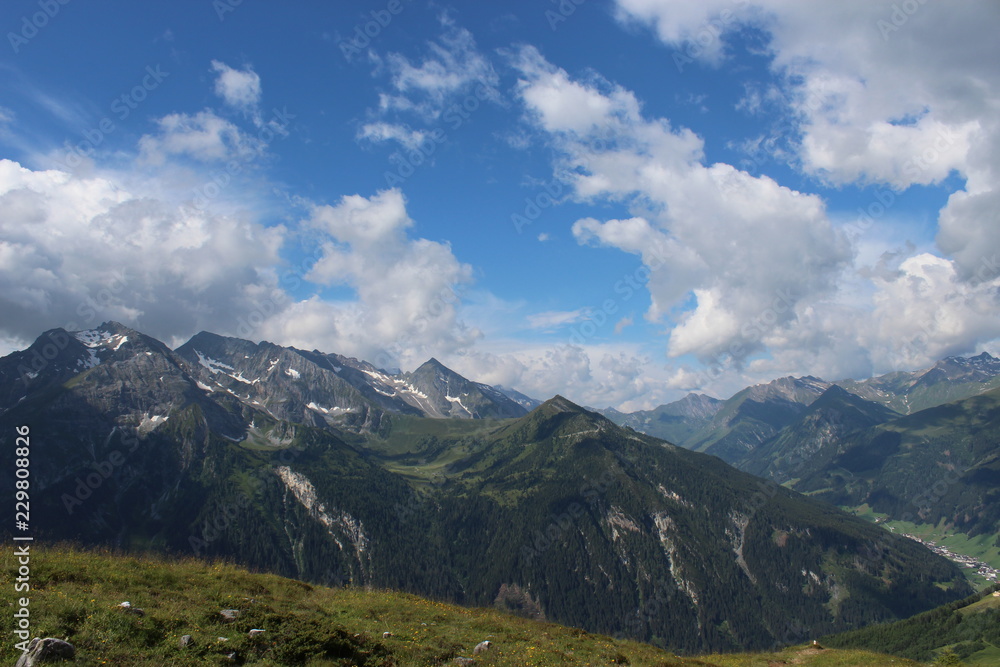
982,569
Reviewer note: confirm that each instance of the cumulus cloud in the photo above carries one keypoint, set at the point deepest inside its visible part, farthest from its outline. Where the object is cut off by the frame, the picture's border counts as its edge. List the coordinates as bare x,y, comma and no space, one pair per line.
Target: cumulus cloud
924,312
877,94
746,248
752,277
408,290
80,250
596,375
204,137
238,88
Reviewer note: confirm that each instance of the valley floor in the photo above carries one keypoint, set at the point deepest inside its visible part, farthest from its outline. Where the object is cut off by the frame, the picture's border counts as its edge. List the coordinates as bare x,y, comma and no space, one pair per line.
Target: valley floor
979,557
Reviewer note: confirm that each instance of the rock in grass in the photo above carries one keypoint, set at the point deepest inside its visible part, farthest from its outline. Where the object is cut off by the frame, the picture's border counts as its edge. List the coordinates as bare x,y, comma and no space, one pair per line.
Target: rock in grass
230,614
482,647
186,640
463,661
49,649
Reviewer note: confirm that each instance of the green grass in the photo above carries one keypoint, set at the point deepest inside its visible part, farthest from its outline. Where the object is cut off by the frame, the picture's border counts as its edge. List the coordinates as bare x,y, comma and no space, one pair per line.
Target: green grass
987,658
988,602
76,595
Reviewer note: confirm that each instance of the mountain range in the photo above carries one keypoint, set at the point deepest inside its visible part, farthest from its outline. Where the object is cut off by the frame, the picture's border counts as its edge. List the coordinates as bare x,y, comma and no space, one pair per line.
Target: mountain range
921,447
327,469
731,429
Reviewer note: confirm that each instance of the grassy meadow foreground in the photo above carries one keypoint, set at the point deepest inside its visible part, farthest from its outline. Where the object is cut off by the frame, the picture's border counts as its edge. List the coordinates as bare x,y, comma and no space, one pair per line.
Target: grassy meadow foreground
77,595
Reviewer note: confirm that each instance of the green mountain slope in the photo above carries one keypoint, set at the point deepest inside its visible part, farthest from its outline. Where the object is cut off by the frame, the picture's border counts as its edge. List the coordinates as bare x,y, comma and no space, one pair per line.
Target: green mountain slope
674,422
77,595
968,629
579,510
938,464
827,421
754,415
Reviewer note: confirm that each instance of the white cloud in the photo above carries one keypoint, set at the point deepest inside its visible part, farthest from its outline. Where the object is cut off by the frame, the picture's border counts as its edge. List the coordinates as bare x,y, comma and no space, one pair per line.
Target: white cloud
885,92
557,318
623,324
924,312
747,249
238,88
970,232
597,375
408,290
381,132
453,66
77,251
204,137
437,89
753,275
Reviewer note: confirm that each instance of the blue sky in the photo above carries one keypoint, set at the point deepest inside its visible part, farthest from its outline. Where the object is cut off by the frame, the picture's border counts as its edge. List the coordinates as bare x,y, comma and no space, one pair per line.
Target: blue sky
616,200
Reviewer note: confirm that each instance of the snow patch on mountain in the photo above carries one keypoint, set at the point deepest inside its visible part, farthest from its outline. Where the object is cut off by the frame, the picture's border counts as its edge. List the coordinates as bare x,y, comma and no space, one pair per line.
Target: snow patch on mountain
239,378
458,400
150,422
93,337
90,361
212,365
335,410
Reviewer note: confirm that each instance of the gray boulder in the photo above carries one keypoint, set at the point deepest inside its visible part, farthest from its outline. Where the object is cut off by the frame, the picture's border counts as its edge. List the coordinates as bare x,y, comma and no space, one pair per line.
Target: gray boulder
49,649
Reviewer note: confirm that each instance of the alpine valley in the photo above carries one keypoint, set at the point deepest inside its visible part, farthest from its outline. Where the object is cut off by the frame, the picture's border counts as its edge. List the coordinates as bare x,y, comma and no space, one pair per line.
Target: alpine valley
327,469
